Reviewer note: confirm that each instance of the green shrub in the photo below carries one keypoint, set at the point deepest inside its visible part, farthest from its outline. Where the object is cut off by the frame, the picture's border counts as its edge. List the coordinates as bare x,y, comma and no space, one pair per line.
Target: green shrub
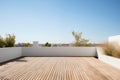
26,44
2,42
47,44
9,41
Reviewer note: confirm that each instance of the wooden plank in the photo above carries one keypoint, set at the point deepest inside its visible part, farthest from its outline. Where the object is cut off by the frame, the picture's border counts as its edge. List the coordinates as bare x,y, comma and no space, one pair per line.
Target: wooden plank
58,68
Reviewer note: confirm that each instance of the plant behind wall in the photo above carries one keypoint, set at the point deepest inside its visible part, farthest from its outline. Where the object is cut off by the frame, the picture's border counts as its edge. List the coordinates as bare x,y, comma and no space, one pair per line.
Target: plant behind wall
47,44
111,49
79,41
8,41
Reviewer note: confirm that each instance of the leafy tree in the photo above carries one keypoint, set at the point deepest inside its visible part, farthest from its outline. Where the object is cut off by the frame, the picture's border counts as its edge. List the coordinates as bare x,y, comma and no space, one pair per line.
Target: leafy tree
79,41
10,40
47,44
26,44
2,42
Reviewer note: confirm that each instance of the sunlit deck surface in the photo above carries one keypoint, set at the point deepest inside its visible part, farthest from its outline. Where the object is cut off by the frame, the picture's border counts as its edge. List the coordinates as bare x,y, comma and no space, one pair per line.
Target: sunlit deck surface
58,68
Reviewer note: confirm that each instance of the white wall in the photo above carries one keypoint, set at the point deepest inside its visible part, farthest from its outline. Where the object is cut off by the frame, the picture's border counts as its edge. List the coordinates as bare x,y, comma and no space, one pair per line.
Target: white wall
115,39
59,51
10,53
108,59
7,54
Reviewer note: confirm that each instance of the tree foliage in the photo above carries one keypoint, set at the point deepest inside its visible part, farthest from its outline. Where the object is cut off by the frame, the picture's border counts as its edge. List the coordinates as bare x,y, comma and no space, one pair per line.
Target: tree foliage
26,44
9,41
79,41
2,42
47,44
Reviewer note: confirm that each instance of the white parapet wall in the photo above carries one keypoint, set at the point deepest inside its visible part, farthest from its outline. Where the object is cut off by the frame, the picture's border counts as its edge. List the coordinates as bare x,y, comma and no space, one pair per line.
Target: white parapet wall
59,51
108,59
7,54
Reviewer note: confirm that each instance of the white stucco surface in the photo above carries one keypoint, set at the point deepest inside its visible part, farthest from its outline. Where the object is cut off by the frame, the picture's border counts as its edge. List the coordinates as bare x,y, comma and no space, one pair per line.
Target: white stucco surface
108,59
115,39
7,54
59,51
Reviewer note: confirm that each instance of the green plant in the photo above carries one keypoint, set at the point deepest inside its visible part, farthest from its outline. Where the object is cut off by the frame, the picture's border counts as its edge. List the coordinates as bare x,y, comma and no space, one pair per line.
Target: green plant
111,49
26,44
79,41
47,44
2,42
10,40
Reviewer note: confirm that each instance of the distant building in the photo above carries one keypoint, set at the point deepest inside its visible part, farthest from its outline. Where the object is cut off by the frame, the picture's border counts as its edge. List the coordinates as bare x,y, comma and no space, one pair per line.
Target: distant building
35,44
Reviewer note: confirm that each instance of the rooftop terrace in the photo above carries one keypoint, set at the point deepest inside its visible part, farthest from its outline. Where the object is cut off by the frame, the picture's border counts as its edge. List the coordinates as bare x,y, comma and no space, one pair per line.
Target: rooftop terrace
57,63
58,68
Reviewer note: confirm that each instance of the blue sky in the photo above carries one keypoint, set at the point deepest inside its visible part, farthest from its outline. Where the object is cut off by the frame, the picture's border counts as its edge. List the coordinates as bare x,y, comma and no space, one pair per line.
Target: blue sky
54,20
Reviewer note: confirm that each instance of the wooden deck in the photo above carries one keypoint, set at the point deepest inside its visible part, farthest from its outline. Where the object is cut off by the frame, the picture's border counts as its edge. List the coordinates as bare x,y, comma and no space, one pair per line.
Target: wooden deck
58,68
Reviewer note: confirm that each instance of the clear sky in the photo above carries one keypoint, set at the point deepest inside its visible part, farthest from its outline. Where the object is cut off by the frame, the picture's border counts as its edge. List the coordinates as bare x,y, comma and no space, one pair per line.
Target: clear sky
54,20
